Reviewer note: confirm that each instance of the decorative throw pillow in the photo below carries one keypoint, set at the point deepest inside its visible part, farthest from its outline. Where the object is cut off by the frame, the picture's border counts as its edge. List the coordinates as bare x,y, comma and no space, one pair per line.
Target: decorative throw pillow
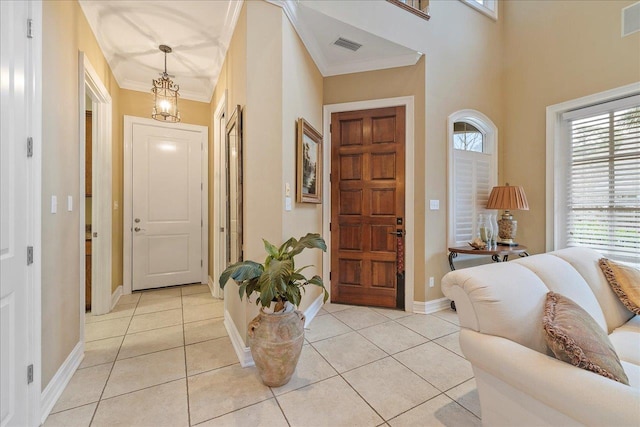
574,337
625,282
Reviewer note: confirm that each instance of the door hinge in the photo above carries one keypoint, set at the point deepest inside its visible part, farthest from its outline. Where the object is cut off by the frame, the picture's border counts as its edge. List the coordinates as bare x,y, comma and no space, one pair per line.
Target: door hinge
329,226
201,223
330,128
29,147
329,177
30,374
201,186
29,255
329,275
29,28
200,263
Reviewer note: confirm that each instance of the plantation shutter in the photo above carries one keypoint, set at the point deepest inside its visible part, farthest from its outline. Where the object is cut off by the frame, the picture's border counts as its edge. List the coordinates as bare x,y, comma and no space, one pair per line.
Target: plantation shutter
603,179
472,183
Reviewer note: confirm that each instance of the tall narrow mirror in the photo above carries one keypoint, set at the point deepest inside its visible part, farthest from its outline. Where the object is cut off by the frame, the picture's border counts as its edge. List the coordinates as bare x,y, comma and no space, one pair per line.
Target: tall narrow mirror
233,169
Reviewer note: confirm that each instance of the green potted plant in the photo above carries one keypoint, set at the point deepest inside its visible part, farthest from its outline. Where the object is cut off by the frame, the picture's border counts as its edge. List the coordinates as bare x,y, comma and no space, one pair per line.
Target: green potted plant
276,339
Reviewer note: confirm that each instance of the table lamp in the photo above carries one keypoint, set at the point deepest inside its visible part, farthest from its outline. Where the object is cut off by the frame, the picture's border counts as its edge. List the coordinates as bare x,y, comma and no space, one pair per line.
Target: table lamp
508,197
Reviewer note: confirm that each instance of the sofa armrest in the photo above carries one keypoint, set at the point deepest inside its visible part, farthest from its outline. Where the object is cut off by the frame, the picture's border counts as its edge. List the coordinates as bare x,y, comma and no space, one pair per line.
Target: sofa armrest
584,396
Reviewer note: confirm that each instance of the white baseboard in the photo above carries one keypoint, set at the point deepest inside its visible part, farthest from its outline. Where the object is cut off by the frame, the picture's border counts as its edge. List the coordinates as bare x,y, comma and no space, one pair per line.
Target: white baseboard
313,309
243,352
432,306
115,296
56,386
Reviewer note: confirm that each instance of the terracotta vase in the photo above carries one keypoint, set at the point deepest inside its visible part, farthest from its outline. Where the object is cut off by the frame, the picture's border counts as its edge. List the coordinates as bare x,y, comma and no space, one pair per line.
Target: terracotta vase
276,342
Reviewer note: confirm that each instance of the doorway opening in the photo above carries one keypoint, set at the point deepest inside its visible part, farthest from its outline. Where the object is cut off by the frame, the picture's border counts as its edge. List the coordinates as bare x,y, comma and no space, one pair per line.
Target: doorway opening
95,184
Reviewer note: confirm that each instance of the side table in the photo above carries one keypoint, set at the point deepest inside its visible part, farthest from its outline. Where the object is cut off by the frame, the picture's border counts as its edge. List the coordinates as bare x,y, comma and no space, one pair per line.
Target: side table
497,253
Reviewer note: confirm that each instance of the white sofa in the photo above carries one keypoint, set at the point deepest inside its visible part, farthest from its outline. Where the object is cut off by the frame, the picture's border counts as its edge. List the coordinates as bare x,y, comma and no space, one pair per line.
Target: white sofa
520,383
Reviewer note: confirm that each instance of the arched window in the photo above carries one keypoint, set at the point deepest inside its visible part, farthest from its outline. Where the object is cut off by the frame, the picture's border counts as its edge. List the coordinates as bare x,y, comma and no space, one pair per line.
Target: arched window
473,171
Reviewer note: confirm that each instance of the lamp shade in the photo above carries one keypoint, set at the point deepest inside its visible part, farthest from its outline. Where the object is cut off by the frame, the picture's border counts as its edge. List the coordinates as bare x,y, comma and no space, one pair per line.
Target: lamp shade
508,197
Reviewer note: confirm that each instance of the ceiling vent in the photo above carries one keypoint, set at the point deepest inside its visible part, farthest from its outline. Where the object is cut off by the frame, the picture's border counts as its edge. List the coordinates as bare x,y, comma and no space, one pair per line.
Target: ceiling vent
631,19
347,44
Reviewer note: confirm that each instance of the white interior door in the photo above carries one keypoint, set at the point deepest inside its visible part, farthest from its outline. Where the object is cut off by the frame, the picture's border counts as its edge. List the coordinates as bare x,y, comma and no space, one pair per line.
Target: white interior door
167,214
14,311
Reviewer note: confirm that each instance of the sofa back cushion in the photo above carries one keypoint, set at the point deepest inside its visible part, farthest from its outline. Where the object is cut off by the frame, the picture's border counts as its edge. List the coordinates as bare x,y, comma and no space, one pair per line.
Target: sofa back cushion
585,261
507,299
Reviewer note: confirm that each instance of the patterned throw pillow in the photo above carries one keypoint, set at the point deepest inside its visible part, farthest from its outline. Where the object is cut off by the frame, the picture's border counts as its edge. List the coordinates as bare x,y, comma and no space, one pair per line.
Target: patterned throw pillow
625,282
574,337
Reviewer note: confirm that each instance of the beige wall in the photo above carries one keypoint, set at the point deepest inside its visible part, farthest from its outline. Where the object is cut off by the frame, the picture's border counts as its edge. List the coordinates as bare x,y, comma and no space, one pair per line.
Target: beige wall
269,73
462,68
556,51
65,32
302,95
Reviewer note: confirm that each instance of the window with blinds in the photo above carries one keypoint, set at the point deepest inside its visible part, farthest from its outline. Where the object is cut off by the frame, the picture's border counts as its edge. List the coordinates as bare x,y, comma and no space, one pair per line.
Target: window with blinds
603,179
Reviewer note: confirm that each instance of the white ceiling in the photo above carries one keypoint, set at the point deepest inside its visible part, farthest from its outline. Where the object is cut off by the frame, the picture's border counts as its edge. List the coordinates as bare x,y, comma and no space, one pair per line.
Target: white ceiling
199,32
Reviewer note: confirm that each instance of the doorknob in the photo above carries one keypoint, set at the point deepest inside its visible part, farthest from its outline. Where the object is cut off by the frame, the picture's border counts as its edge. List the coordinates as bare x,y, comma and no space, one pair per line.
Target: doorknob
137,220
398,233
138,229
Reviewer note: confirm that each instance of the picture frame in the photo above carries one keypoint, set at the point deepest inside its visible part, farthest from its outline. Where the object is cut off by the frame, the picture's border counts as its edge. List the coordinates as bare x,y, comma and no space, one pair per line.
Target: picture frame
309,163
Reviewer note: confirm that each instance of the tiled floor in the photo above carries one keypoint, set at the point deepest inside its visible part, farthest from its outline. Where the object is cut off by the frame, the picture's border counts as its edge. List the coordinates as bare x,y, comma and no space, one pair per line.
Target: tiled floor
163,358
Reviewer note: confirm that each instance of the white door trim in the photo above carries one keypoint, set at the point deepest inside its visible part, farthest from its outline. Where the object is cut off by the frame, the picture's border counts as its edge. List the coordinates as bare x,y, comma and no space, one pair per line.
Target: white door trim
406,101
34,234
127,266
217,236
89,83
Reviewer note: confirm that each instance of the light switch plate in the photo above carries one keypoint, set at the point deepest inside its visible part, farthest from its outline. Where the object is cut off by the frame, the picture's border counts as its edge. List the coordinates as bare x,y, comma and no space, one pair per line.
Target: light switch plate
70,203
434,205
54,204
287,203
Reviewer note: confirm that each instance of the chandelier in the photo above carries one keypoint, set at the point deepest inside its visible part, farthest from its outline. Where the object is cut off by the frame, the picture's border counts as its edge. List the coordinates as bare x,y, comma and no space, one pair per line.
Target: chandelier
165,93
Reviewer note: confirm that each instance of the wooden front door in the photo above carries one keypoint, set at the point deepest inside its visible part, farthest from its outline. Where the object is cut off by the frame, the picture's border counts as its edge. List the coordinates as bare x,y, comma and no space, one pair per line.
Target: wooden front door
367,207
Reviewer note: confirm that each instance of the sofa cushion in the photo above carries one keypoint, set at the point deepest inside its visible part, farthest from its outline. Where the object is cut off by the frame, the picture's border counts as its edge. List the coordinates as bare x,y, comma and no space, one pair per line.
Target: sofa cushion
585,261
626,341
625,282
575,337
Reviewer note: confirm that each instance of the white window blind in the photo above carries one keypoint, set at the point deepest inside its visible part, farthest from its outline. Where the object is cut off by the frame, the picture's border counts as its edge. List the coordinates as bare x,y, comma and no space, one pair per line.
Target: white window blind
472,183
603,179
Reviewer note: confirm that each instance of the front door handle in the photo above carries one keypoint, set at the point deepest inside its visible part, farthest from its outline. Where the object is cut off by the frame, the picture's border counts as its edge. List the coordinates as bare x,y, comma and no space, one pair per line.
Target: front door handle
398,233
137,229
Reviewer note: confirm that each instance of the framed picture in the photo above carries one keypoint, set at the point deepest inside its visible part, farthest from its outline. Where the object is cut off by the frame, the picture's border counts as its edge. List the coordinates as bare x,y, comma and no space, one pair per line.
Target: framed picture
309,179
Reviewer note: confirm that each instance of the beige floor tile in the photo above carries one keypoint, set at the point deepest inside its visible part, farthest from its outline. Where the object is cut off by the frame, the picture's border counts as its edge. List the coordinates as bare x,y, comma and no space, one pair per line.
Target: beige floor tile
161,319
349,351
322,312
204,330
85,387
151,341
439,411
101,351
332,307
324,327
209,355
263,414
158,304
206,311
360,317
311,368
77,417
449,315
224,390
161,293
198,299
427,325
392,337
466,394
107,329
132,298
158,406
390,313
145,371
442,368
327,403
195,289
402,388
119,311
451,342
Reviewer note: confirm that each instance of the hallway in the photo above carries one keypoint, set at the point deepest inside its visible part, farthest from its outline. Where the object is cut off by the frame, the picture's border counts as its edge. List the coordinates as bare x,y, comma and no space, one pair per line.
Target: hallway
163,358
